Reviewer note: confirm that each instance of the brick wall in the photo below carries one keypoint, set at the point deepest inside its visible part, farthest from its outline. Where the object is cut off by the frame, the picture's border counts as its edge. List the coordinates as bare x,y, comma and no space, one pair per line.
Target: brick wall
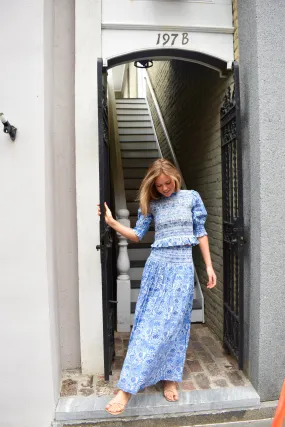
190,97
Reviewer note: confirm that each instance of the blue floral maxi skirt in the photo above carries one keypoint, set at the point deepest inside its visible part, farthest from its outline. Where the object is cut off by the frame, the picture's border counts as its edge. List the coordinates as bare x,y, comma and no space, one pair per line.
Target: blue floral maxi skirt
161,329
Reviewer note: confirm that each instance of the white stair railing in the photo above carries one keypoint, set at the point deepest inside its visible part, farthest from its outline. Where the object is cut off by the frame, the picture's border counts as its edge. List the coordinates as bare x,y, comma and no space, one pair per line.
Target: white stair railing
122,214
198,295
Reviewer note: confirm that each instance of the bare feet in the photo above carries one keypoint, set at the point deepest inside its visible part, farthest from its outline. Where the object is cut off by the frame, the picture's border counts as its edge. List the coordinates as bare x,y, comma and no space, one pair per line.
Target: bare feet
118,404
170,391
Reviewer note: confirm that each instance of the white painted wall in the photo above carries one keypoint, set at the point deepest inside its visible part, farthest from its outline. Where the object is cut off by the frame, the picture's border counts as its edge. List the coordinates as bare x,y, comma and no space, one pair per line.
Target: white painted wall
88,49
64,175
135,25
29,358
133,80
118,77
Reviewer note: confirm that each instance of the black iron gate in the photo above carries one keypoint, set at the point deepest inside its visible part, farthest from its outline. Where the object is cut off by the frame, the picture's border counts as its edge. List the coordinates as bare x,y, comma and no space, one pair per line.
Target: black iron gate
232,220
107,235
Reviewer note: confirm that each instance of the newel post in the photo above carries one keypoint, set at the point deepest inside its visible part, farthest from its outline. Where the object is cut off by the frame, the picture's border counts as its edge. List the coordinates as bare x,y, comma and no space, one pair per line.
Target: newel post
123,279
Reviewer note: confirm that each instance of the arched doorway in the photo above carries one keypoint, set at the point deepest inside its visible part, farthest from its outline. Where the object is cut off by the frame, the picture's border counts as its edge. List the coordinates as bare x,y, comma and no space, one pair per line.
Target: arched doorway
230,185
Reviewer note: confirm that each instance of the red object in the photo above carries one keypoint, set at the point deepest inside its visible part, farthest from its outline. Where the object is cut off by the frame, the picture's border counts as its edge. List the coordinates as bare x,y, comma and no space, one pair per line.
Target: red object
280,410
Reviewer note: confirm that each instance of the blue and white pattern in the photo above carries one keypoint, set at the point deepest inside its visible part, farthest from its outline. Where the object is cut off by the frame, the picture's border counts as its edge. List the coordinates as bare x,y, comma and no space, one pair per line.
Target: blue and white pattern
161,329
178,220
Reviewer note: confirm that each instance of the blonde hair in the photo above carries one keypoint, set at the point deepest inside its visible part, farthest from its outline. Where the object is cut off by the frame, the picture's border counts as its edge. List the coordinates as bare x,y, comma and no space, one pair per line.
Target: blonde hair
148,191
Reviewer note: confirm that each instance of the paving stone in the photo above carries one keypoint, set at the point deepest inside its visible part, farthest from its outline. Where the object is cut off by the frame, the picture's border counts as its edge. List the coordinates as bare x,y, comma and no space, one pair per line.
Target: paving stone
205,357
86,381
208,341
203,381
216,351
194,366
186,374
68,387
221,382
198,326
193,335
154,388
214,369
86,391
188,385
207,366
235,378
196,346
118,362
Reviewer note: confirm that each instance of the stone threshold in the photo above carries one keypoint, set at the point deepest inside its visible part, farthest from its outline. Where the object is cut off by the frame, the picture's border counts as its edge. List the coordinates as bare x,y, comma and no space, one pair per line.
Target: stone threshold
80,408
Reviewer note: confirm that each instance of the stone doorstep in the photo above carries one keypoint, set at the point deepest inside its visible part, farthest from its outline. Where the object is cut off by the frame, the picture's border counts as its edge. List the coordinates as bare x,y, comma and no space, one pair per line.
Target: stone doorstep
92,407
250,423
237,417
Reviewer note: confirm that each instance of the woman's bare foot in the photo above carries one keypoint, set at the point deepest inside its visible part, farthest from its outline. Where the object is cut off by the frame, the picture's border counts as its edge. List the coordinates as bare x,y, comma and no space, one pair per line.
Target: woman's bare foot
118,404
170,391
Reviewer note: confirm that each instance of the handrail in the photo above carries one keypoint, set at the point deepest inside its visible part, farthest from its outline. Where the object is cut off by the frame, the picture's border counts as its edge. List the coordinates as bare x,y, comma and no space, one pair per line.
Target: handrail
183,185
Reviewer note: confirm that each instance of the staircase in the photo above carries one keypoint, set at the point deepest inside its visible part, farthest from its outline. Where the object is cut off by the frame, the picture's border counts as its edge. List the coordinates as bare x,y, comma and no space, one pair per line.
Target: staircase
139,149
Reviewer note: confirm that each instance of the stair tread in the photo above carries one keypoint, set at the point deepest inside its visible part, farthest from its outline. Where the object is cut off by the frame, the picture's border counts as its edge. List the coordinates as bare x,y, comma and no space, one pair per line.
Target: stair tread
139,245
137,264
197,305
135,284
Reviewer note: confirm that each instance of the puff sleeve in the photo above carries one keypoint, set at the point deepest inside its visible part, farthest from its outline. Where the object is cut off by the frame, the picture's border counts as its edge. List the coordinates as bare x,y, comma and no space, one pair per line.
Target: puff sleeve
199,215
142,224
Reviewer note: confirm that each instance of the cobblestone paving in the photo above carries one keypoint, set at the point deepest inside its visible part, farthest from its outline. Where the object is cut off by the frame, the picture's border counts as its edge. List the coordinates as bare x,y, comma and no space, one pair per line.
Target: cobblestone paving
207,366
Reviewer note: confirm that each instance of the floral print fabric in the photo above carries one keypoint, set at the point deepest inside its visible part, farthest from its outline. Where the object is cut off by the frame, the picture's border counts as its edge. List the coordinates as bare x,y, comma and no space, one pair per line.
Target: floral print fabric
178,219
161,329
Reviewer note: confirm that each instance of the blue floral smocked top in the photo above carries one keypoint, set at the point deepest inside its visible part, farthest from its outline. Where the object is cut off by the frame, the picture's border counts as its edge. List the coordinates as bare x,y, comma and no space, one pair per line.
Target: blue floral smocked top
178,219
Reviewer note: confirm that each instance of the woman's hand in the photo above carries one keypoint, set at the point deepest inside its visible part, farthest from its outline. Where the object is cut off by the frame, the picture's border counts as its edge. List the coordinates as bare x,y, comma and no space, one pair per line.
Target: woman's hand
212,277
108,214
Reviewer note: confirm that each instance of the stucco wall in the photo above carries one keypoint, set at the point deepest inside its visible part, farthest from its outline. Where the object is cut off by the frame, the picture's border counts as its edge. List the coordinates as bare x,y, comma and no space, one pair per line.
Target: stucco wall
190,97
64,177
262,64
29,360
88,49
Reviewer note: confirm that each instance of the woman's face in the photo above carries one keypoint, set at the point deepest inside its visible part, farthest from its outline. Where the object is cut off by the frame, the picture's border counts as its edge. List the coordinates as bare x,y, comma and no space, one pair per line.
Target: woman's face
164,185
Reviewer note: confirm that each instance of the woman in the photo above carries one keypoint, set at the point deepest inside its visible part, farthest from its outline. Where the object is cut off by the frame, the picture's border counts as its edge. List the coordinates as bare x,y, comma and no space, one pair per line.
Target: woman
161,330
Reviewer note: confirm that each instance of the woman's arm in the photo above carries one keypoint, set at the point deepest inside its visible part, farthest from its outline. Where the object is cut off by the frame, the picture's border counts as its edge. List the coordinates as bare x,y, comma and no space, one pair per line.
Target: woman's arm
204,247
117,226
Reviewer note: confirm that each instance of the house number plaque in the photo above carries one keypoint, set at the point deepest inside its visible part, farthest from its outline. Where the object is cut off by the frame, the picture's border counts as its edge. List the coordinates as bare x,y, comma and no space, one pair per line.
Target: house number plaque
171,39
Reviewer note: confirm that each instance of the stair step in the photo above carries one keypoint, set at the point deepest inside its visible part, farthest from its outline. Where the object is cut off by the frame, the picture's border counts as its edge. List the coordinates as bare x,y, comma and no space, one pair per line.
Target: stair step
136,273
137,163
131,195
131,105
134,124
135,284
196,306
137,146
128,100
132,111
139,154
132,183
135,172
137,263
132,117
139,245
139,138
135,131
133,307
138,253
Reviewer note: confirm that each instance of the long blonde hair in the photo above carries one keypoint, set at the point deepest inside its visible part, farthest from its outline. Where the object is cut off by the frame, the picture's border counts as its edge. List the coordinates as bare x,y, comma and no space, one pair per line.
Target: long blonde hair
148,191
